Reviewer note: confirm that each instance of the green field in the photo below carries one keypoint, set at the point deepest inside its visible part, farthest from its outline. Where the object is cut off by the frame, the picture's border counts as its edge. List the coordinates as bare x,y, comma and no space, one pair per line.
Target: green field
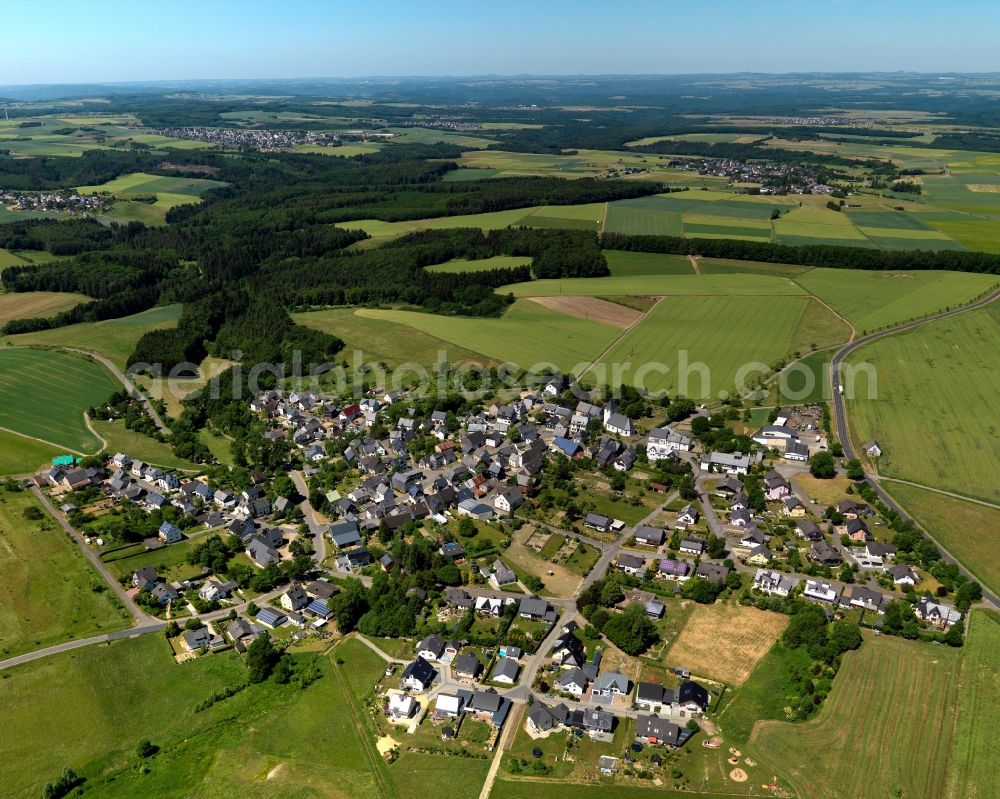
871,300
631,264
113,338
36,303
890,716
20,455
663,285
44,394
969,531
142,183
269,740
934,404
49,593
460,265
380,340
638,221
120,439
723,333
605,788
526,334
168,191
972,769
761,697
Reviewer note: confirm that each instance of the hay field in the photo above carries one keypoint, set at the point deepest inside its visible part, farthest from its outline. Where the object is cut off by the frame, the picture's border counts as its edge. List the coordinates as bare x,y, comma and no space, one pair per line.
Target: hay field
725,642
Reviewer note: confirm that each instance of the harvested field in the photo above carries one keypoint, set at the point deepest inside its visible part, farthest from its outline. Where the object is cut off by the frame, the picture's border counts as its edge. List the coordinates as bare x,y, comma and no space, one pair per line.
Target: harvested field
725,642
598,310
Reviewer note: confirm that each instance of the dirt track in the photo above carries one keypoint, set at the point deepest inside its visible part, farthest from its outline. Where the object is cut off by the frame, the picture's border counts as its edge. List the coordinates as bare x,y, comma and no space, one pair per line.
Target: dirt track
608,313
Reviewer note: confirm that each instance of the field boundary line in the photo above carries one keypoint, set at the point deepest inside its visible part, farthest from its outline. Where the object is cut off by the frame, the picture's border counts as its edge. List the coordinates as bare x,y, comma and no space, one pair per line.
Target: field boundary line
831,309
624,333
49,443
942,491
376,761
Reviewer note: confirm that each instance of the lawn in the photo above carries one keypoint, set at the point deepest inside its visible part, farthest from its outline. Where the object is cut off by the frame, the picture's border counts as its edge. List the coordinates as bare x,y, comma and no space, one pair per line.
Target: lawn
49,593
378,340
729,658
170,562
20,455
934,404
113,338
875,299
527,334
972,766
703,342
45,394
138,445
36,303
968,531
890,716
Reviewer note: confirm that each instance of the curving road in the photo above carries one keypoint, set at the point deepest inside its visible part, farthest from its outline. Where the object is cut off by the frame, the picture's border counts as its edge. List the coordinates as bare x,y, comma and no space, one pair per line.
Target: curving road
129,385
840,409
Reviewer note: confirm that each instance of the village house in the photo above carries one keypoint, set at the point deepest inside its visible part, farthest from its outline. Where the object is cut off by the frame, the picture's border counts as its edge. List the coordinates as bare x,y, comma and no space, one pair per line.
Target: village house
649,536
663,443
774,583
936,614
418,675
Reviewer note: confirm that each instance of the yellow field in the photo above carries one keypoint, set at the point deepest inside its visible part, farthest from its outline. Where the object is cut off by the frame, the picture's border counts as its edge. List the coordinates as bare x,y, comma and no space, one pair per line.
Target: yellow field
725,642
36,303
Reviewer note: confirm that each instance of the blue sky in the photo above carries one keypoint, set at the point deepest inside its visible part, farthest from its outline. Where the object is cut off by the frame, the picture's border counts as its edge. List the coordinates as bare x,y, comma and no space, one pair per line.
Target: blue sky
56,41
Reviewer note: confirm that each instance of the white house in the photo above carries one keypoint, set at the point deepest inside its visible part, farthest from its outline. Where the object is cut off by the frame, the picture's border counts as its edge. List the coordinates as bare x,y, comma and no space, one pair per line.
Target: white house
572,682
774,583
819,591
728,462
662,443
402,706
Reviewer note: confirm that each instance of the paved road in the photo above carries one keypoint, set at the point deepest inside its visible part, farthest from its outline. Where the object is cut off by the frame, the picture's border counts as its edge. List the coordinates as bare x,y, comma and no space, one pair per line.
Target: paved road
840,409
316,528
129,385
81,642
138,614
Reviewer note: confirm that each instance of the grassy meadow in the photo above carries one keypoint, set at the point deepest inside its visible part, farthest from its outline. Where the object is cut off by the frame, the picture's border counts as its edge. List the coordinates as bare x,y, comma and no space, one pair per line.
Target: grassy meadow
268,740
44,394
49,593
120,439
20,455
890,715
115,339
381,340
972,769
934,406
462,265
526,334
